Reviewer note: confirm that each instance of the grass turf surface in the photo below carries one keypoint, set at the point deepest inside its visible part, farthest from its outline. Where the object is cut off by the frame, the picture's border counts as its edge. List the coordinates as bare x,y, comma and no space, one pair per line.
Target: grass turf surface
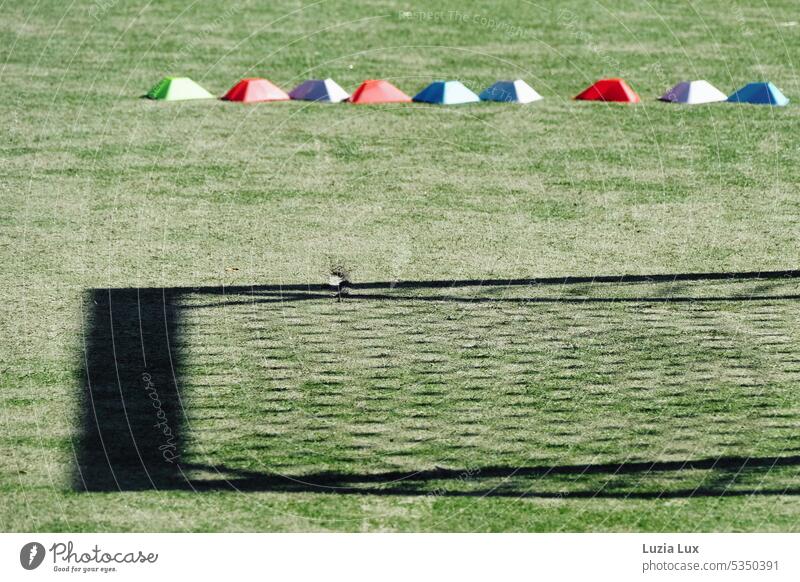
102,189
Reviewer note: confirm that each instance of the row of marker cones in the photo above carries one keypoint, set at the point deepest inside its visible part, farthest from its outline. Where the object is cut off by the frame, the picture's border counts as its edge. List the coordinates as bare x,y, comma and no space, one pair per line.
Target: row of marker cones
454,92
373,91
689,92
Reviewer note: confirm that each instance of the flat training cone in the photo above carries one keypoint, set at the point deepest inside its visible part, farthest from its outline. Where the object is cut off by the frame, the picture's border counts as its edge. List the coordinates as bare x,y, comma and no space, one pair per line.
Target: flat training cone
178,89
446,93
255,90
378,91
616,90
318,90
510,92
693,93
760,94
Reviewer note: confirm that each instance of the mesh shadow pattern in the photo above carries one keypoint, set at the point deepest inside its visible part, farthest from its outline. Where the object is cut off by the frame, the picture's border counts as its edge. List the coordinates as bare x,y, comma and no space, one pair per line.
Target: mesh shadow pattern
665,386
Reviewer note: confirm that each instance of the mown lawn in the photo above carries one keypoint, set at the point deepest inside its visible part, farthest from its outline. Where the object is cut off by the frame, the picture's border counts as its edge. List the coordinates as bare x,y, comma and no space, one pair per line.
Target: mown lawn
556,406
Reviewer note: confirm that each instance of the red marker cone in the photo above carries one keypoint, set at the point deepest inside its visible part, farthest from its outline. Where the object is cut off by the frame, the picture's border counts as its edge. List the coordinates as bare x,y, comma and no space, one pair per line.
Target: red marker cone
378,91
254,90
615,90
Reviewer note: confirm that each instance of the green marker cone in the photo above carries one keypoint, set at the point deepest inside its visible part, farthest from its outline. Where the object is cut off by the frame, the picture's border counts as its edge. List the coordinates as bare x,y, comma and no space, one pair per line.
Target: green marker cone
178,89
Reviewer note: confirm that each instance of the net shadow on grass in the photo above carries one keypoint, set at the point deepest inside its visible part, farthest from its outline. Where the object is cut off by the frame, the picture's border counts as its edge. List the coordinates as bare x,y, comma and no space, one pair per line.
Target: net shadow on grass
137,420
511,481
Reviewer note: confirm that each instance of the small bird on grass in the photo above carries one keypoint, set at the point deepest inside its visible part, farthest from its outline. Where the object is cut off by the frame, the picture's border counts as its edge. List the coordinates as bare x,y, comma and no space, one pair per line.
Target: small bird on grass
339,281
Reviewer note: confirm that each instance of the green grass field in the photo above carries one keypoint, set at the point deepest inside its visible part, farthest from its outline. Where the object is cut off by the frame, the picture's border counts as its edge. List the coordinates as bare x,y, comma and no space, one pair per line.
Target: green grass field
580,405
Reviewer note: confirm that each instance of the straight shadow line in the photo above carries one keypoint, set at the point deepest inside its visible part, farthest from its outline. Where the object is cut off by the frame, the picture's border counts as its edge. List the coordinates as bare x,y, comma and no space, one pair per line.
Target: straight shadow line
404,483
446,284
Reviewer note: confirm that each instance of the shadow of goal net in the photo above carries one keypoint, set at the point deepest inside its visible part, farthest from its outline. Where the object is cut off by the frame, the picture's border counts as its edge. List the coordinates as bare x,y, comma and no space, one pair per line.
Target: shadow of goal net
669,386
